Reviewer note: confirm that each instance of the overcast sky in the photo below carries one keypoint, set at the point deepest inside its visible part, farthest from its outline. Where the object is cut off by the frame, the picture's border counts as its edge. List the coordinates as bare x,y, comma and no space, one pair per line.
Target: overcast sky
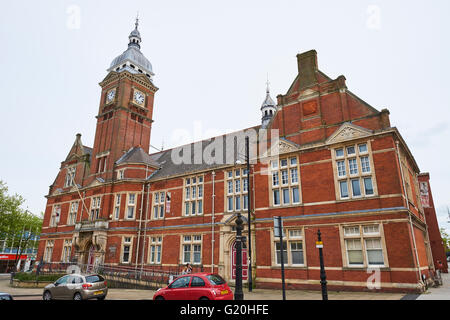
211,60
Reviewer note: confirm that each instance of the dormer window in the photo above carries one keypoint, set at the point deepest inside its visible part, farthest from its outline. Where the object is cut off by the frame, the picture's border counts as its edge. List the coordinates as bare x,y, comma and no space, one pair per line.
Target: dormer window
101,164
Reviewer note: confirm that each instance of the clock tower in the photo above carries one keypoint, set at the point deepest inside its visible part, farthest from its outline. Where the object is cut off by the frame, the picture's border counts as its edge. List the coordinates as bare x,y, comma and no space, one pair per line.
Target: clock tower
124,118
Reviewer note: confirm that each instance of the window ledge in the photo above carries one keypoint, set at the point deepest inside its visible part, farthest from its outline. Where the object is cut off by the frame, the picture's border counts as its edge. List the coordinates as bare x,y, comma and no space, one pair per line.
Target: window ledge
358,198
291,267
382,268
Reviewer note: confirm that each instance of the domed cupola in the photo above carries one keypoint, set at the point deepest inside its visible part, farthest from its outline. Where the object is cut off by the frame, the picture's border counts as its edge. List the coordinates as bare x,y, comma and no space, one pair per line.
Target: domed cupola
135,36
268,108
132,59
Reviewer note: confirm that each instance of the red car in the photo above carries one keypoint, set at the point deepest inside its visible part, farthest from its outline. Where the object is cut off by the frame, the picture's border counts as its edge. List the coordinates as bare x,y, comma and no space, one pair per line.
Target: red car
196,286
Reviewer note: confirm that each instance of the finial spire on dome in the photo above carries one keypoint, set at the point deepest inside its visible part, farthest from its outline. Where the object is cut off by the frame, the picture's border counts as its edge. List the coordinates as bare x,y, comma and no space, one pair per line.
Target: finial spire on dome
268,101
135,36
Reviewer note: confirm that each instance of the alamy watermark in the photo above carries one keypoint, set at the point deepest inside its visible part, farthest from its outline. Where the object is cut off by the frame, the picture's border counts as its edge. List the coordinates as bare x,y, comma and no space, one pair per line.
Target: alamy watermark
374,280
373,21
73,21
228,149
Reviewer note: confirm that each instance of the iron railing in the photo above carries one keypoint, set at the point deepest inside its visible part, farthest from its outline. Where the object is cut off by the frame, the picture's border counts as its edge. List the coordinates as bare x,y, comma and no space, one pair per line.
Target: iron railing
120,276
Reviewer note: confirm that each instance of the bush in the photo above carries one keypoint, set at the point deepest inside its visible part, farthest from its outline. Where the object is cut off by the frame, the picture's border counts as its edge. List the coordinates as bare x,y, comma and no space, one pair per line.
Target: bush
24,276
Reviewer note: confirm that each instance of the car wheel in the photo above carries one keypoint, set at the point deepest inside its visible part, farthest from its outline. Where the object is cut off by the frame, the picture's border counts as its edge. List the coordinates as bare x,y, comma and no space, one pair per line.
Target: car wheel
77,296
204,298
47,296
159,298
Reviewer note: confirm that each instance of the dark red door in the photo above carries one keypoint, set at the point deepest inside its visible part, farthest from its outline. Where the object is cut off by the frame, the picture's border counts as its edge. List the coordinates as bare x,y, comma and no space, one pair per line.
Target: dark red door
90,261
244,262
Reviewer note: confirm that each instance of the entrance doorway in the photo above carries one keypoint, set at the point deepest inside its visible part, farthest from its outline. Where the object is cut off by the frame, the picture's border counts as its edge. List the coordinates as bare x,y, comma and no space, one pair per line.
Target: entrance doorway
244,261
90,259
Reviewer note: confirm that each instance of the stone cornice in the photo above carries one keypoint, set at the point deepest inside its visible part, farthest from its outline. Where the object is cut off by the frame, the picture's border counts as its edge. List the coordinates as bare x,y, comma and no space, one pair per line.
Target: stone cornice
138,78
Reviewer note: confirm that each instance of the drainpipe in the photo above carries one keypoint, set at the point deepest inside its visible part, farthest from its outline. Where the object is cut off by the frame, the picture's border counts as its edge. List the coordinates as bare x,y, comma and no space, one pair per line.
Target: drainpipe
145,228
212,221
140,222
409,212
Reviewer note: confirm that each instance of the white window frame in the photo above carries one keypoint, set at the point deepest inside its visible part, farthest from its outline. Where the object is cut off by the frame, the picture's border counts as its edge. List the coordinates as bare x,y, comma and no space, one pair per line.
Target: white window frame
127,241
56,215
48,252
282,174
239,191
358,234
131,205
117,201
289,238
342,173
159,205
155,249
94,212
194,192
191,241
73,212
70,176
66,251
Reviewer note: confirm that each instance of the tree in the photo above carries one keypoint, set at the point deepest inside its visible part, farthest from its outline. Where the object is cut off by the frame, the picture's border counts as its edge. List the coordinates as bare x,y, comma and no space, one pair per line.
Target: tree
445,239
18,227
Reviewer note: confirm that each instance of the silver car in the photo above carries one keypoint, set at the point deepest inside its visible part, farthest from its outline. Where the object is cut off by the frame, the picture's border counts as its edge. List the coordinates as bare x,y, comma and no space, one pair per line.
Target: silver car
77,287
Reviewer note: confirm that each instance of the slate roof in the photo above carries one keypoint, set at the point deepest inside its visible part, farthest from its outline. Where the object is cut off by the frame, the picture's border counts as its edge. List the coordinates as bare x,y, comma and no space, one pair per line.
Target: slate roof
137,155
88,150
168,167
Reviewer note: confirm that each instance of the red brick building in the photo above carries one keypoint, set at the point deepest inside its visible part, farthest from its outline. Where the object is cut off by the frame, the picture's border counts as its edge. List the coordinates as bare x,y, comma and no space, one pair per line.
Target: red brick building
437,245
341,168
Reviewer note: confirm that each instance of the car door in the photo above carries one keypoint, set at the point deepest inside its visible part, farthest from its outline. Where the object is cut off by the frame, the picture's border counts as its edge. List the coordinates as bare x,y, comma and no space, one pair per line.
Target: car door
59,291
198,289
178,289
73,284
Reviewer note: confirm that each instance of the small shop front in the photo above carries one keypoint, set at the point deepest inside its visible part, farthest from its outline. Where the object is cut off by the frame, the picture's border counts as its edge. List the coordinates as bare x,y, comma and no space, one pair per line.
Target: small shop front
7,261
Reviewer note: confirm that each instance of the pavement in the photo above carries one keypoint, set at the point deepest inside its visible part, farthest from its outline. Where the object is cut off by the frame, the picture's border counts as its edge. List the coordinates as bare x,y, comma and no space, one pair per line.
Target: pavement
440,293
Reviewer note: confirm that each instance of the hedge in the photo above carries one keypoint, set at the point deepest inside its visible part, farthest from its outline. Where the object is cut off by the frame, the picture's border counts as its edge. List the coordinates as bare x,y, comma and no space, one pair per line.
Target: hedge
25,276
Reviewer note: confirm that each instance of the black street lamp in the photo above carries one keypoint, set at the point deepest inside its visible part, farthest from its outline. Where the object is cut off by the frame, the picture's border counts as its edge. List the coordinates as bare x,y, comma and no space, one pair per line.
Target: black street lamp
323,276
238,293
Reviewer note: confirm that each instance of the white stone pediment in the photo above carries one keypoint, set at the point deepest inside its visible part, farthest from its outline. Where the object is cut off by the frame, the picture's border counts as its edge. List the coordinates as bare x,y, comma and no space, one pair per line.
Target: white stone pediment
348,131
231,220
285,146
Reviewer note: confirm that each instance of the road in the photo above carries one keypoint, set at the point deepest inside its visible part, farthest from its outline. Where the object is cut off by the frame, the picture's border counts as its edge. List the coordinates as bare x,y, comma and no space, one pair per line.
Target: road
440,293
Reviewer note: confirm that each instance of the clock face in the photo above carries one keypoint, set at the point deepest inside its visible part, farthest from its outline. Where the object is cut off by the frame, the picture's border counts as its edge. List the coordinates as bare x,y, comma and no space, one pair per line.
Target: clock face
139,97
110,96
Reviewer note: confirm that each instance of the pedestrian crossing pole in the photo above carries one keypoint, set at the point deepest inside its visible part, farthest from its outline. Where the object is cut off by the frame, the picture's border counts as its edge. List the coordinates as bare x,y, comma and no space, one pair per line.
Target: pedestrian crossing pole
278,228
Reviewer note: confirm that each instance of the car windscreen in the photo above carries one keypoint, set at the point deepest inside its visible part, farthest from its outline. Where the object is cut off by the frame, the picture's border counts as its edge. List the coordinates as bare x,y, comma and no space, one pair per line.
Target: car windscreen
94,278
215,279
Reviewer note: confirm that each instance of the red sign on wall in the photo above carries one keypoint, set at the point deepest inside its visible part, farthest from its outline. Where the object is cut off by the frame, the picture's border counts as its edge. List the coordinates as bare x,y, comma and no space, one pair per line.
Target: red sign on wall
11,257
